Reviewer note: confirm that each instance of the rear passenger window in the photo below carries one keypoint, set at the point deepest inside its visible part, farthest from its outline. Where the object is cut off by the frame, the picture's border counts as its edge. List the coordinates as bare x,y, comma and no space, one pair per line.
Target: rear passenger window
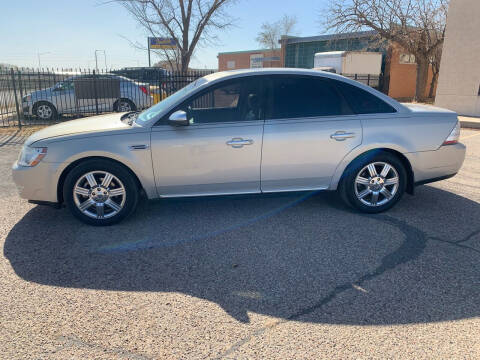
299,97
361,101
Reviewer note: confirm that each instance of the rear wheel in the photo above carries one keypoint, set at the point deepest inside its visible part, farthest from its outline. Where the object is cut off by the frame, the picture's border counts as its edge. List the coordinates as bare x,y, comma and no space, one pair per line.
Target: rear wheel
100,192
374,183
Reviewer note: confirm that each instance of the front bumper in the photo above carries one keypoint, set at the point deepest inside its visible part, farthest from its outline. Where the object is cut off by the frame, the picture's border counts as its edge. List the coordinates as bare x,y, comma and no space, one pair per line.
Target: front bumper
438,164
35,183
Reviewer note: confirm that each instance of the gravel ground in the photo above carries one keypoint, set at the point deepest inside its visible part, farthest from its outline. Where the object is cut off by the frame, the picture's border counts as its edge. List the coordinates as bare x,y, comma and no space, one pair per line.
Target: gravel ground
284,276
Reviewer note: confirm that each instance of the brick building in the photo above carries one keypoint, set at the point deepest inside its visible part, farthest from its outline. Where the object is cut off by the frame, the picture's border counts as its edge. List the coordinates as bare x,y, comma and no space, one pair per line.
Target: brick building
398,66
249,59
401,74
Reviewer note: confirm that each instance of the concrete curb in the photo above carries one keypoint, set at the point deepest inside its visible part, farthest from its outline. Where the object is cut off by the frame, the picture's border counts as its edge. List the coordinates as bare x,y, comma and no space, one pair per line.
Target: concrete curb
470,124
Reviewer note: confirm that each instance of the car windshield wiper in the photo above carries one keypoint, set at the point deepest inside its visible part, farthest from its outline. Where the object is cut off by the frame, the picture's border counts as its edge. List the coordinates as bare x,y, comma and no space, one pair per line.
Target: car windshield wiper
130,117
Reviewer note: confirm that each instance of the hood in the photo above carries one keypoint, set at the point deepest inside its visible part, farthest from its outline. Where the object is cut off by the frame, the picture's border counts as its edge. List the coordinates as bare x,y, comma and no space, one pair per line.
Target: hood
423,108
39,94
90,125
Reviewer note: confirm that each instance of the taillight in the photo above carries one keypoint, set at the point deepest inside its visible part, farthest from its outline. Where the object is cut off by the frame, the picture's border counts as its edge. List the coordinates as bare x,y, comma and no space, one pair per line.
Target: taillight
144,89
454,135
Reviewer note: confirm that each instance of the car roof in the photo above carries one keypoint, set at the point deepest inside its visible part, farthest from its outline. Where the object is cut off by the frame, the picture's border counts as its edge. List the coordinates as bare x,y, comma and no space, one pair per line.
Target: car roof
268,71
99,75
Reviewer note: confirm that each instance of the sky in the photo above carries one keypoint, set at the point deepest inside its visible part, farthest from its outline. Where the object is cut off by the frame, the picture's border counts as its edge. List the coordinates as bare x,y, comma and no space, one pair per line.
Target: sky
66,33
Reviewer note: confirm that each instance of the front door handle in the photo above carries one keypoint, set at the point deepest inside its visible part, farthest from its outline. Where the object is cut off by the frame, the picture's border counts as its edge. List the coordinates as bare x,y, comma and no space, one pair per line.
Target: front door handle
342,135
239,142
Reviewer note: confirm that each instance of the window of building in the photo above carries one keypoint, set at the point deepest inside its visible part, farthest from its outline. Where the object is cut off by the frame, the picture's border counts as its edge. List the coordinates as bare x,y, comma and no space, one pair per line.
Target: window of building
407,59
231,64
299,97
256,61
361,101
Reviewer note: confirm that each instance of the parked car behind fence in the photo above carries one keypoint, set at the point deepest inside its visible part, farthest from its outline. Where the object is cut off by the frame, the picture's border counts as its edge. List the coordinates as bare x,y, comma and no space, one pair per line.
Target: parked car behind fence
46,96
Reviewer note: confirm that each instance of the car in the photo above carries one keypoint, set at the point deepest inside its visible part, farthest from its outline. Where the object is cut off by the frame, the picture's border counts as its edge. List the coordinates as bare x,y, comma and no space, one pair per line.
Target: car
87,93
243,132
143,74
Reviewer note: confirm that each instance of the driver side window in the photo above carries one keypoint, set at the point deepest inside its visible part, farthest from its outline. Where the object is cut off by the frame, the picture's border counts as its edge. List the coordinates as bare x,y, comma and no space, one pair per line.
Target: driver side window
234,101
65,85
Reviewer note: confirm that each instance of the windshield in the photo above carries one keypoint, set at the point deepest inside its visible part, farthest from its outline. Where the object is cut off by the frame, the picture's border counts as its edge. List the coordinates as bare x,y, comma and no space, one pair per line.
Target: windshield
152,112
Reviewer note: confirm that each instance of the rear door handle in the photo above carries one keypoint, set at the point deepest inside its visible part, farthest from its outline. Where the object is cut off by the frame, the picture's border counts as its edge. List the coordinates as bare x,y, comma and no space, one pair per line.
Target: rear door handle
342,135
239,142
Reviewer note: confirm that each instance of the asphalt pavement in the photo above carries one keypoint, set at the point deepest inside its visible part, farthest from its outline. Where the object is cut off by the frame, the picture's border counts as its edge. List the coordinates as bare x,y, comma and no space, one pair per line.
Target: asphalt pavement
278,276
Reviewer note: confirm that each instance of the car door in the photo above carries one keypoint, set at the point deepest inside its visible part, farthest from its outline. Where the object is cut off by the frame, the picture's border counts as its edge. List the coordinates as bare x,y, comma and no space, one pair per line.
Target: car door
220,151
309,128
64,96
84,89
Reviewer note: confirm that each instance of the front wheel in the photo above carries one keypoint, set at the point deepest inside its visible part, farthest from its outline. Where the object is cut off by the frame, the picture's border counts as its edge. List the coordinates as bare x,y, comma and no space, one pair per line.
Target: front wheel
100,192
45,111
124,105
374,183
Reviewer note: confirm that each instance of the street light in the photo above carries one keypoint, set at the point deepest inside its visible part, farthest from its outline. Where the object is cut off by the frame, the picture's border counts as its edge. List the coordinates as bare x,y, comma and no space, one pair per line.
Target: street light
104,56
40,54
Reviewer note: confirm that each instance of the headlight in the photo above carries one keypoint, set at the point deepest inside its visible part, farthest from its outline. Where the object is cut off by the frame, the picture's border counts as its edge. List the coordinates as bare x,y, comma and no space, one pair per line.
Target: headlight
31,156
454,135
27,98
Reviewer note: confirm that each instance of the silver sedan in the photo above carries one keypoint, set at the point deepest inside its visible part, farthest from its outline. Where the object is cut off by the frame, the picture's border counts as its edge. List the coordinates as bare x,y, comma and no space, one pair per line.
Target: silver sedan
65,96
247,131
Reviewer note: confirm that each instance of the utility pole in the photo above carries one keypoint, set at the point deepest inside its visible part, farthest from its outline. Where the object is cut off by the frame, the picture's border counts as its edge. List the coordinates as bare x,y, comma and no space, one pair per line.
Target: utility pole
96,60
38,55
148,44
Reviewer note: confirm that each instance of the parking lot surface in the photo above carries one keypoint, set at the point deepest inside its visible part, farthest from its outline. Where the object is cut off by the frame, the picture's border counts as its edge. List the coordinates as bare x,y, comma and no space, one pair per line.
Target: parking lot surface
282,276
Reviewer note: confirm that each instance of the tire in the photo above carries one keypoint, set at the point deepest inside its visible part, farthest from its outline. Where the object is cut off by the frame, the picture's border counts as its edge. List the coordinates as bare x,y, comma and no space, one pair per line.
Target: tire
113,198
373,190
45,111
124,105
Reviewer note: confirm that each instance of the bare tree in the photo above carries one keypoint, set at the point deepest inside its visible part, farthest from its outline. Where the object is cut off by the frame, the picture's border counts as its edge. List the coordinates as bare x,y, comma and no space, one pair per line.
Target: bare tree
189,22
418,26
435,62
271,33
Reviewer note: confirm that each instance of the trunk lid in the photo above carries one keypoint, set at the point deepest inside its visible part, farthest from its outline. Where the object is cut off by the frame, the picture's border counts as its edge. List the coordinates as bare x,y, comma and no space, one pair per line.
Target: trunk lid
420,109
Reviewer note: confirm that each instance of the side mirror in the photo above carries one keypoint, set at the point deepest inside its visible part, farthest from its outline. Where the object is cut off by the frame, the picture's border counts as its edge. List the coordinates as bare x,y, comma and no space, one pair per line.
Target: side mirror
178,118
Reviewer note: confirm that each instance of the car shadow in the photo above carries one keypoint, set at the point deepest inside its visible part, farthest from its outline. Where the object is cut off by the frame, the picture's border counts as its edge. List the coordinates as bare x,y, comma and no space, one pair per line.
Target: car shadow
297,256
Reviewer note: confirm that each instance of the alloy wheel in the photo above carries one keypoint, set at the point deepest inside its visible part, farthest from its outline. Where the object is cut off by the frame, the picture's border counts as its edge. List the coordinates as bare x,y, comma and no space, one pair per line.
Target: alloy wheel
376,184
124,106
99,194
44,112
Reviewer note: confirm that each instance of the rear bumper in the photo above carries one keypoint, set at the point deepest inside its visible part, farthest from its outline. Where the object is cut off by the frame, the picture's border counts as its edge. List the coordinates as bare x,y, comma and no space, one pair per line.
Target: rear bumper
440,178
429,166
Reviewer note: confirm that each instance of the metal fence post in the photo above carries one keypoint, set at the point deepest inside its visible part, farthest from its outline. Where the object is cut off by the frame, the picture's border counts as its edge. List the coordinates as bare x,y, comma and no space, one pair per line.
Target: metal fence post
95,91
20,86
16,98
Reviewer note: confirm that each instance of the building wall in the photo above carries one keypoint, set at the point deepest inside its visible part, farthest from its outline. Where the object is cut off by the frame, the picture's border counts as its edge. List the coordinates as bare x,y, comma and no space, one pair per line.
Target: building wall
459,79
241,59
402,76
301,54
